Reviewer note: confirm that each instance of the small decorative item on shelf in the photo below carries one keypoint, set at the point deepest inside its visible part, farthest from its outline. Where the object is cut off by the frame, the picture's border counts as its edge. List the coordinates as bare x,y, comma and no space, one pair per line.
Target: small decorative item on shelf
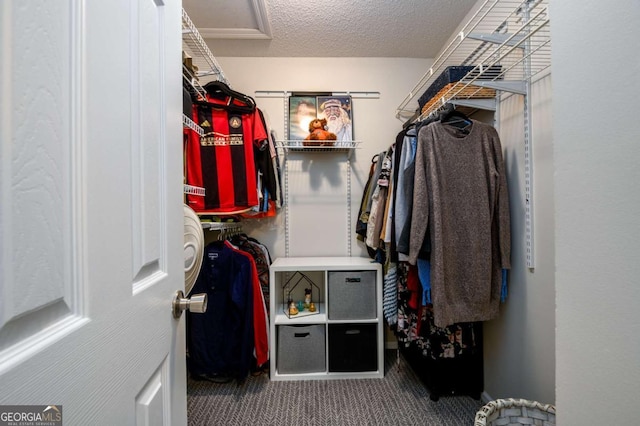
304,294
312,307
293,310
307,298
318,135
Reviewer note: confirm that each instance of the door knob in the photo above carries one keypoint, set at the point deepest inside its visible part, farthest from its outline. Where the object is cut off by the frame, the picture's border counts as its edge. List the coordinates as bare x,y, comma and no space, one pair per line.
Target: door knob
196,304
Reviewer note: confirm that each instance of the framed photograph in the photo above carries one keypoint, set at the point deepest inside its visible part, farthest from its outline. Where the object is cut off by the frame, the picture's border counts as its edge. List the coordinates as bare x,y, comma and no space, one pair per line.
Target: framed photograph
302,109
337,110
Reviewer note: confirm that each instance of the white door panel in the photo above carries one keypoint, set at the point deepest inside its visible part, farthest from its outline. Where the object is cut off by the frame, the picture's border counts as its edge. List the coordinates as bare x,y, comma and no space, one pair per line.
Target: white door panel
91,212
39,287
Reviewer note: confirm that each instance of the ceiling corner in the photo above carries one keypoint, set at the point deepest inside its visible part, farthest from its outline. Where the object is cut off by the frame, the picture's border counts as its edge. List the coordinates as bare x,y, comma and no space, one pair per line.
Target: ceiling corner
262,32
262,16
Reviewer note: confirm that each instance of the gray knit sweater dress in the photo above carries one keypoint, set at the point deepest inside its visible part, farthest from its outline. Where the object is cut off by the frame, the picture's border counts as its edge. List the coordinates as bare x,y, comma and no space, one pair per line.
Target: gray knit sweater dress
461,195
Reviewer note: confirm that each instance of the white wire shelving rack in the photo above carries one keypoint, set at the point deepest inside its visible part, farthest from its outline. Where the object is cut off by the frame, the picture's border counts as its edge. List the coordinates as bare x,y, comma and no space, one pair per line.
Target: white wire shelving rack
287,147
506,41
194,45
194,190
187,122
299,146
508,44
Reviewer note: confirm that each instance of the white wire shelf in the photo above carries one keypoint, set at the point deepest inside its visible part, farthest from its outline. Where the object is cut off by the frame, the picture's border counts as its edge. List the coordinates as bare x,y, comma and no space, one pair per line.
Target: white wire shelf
187,122
506,41
195,46
194,190
299,146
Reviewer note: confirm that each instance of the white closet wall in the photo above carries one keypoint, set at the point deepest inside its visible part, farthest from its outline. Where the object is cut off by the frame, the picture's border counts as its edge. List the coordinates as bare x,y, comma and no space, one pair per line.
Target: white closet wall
596,149
318,208
519,353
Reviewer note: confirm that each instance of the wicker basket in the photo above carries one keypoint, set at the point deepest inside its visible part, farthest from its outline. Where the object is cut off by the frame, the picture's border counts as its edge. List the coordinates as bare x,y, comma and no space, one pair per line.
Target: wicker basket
514,412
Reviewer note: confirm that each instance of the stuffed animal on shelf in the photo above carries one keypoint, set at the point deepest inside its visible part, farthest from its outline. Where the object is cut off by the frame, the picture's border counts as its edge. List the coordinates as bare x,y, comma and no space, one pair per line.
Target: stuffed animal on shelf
318,136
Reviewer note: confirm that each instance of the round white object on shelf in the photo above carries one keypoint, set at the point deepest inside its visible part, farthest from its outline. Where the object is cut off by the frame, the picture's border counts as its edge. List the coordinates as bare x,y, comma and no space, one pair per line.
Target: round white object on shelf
193,248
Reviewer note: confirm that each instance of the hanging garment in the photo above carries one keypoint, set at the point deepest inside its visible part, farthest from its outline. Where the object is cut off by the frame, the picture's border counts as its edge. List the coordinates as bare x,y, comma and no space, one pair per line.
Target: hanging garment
392,249
390,293
220,340
385,233
367,196
447,360
416,325
460,193
378,204
269,190
269,166
232,336
261,259
404,190
277,168
260,314
223,160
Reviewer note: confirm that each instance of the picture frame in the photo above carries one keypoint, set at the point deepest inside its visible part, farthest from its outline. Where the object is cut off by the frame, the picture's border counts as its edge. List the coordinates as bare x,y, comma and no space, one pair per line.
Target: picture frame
302,109
336,109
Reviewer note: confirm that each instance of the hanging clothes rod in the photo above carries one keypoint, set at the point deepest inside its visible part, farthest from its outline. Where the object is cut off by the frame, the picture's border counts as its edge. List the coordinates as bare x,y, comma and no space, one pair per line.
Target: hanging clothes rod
225,230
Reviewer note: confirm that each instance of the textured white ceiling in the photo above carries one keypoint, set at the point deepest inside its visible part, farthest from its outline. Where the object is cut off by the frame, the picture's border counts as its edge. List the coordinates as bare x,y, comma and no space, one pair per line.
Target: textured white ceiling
328,28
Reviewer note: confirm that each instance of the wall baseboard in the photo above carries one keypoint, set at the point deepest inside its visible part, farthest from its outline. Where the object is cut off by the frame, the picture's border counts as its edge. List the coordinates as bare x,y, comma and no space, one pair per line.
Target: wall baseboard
485,397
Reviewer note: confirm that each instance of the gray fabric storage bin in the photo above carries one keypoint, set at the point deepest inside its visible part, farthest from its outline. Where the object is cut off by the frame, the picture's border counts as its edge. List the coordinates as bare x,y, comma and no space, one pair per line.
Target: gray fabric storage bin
352,295
301,349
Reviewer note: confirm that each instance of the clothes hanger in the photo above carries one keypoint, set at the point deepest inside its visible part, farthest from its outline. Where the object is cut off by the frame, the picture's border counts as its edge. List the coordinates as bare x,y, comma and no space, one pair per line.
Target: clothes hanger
234,99
430,119
450,116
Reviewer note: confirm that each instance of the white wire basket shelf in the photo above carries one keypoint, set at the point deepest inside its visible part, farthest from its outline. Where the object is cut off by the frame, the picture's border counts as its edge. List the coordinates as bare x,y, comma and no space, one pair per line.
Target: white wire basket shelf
195,46
306,146
194,190
187,122
507,42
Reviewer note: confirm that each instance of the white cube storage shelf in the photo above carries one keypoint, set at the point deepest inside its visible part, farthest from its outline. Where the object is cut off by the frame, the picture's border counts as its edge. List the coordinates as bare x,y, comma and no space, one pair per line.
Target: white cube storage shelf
344,338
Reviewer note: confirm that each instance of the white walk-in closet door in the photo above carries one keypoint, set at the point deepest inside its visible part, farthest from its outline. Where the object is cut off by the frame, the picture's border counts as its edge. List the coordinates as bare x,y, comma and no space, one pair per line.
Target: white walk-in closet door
91,211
